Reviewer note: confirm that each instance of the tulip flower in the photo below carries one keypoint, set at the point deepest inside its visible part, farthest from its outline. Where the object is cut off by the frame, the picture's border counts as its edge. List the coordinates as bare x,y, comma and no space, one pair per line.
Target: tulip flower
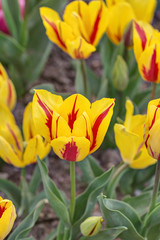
74,127
91,226
7,217
130,141
121,12
13,149
152,136
147,51
81,30
7,90
3,24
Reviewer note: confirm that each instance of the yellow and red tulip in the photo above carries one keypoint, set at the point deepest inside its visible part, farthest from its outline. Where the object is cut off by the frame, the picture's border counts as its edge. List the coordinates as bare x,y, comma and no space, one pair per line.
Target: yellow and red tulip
13,149
130,141
152,130
7,90
7,217
121,12
147,51
74,127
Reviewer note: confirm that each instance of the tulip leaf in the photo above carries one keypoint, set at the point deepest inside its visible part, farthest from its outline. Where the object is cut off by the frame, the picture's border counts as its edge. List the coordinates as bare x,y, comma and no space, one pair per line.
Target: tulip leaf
54,196
154,233
152,219
35,181
28,238
118,213
86,201
12,191
93,80
27,224
52,235
90,168
139,203
109,234
45,86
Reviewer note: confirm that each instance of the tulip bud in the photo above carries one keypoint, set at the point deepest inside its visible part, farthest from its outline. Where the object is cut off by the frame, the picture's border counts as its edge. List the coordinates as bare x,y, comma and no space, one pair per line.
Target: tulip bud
7,217
91,226
120,74
128,35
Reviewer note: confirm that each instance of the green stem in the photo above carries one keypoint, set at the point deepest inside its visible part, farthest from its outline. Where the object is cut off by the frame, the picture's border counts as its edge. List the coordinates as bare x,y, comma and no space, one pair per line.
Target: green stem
153,91
156,187
73,190
23,173
84,76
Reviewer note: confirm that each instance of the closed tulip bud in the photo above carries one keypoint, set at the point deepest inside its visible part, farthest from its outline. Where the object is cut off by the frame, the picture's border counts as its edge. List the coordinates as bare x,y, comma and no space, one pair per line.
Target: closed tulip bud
91,226
7,217
120,74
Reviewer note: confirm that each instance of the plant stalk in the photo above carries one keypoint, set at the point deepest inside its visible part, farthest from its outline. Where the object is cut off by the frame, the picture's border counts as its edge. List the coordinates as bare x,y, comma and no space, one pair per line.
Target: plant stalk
84,75
156,187
73,190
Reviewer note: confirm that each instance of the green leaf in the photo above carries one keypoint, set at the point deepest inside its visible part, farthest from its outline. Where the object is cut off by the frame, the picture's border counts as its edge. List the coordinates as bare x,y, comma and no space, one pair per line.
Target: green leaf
46,86
93,80
52,235
152,220
154,233
27,224
139,203
28,238
108,234
35,180
117,214
90,168
86,201
54,196
103,88
12,191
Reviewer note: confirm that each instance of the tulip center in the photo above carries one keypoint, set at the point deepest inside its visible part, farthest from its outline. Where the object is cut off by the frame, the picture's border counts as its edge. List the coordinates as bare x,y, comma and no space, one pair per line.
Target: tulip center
2,209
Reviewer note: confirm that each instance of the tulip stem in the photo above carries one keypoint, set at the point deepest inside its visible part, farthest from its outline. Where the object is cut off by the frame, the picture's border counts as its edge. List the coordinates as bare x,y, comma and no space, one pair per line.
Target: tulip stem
73,190
84,75
153,91
156,187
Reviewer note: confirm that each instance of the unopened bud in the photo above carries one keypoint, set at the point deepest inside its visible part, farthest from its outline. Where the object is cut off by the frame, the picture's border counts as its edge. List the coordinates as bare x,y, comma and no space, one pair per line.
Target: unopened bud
91,226
120,74
128,35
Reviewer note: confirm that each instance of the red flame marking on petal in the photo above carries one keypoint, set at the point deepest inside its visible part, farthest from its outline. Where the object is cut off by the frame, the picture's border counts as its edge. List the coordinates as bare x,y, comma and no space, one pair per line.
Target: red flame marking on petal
54,27
96,26
97,124
151,151
152,73
48,113
9,93
57,126
73,116
77,52
14,136
146,142
2,209
141,34
87,134
70,151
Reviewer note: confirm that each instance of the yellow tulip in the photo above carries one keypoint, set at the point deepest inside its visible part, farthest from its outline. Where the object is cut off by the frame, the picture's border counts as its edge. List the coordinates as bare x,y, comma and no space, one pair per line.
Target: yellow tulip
152,130
62,34
7,217
129,139
121,12
91,226
13,149
147,51
74,127
7,90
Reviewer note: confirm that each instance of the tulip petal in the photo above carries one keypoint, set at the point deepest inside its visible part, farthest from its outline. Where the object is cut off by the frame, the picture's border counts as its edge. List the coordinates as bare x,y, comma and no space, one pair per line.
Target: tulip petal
56,30
44,104
79,48
102,111
72,148
148,64
143,160
129,113
7,217
43,148
76,15
82,127
117,19
127,142
28,124
30,152
98,15
73,107
8,154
